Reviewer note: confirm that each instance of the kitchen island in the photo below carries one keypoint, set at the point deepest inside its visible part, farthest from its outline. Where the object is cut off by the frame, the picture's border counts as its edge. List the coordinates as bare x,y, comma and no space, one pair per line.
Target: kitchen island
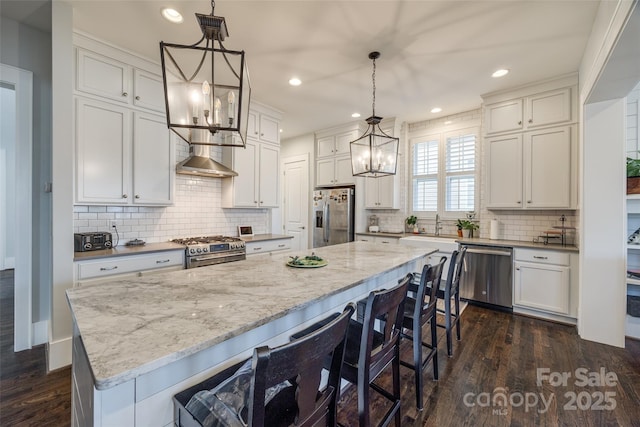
139,341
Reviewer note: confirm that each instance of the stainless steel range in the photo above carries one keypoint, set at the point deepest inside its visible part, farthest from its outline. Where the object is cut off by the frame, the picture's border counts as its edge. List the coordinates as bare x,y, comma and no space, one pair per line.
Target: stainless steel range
210,250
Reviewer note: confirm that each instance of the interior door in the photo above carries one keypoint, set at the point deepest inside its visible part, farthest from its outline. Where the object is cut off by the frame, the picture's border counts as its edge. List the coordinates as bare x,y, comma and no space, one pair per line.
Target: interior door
296,201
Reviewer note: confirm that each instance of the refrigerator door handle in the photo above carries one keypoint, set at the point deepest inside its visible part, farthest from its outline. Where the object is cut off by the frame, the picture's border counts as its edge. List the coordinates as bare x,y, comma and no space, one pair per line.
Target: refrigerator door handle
325,223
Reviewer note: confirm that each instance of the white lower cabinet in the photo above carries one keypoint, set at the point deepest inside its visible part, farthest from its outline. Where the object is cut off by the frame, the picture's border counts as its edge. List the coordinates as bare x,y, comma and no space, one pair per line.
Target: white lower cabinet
542,281
107,268
377,239
264,246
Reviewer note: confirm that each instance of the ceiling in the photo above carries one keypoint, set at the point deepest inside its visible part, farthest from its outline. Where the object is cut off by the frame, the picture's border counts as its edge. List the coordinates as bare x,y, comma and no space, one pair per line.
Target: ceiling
434,53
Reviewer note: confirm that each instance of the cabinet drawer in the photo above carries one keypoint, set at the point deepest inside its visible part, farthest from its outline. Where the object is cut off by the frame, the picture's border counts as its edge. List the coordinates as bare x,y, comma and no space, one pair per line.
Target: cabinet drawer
542,256
268,246
128,264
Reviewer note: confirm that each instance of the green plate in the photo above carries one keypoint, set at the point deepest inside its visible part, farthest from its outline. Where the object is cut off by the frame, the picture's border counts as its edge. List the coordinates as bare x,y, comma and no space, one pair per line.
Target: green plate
306,262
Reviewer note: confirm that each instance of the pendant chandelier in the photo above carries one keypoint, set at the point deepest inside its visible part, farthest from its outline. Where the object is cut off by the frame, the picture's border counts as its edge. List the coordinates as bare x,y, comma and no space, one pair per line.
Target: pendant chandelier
375,153
206,88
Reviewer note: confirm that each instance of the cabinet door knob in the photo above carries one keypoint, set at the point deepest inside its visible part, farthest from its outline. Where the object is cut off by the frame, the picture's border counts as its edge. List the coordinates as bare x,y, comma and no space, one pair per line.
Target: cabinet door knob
137,196
528,201
255,201
125,94
530,120
137,98
262,134
520,122
124,196
303,227
255,133
261,202
519,202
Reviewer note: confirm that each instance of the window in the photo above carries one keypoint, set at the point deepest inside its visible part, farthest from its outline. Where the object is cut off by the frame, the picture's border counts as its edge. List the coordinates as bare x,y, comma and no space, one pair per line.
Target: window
444,172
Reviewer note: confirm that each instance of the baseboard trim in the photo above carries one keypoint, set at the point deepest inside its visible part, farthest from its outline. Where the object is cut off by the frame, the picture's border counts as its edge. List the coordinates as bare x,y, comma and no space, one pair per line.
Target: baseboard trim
59,354
39,332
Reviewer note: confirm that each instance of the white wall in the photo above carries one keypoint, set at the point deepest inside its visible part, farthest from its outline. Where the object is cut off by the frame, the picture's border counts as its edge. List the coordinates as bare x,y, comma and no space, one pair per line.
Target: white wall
16,40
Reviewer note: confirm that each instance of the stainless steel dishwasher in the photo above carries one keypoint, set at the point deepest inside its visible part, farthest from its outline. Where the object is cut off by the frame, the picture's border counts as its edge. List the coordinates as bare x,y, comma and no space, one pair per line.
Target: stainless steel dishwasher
487,275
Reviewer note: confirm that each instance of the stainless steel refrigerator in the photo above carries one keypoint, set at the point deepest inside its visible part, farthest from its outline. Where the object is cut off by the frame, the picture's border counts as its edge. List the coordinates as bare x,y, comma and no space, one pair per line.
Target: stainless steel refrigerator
333,216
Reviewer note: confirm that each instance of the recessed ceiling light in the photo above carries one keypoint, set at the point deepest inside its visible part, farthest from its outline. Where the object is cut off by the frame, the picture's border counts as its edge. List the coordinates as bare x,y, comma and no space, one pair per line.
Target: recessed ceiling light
294,81
500,73
355,115
436,110
172,15
280,130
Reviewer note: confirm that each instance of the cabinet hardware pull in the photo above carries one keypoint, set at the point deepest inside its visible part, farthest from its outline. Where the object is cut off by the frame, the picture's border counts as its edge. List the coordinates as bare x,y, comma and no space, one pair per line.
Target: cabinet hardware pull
281,246
520,122
108,268
257,249
124,196
519,202
302,227
530,120
540,257
138,98
162,261
125,94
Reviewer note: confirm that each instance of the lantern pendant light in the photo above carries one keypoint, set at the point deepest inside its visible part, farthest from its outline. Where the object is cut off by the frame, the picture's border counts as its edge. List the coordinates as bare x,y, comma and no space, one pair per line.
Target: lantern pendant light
206,88
375,153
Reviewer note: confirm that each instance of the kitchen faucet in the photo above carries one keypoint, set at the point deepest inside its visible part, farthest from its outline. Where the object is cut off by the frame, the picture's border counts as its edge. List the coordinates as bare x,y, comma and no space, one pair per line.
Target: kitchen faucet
438,225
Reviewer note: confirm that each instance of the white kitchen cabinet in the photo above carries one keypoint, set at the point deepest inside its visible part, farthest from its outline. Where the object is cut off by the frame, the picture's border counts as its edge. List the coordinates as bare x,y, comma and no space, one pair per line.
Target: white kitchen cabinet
265,246
533,170
336,145
542,280
117,163
112,79
263,127
118,266
334,171
541,109
384,240
256,185
382,193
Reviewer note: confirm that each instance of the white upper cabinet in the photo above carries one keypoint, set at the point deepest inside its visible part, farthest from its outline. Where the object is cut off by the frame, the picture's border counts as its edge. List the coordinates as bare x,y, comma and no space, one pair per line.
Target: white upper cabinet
531,146
263,127
534,170
257,165
124,152
333,155
382,193
115,80
549,108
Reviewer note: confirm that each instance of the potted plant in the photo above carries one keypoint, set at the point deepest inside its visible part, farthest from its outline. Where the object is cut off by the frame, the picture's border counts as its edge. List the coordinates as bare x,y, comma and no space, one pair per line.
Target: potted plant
468,227
633,176
412,222
460,226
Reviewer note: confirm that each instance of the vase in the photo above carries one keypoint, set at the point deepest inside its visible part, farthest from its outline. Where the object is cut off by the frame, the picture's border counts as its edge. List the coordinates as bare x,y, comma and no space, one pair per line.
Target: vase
415,229
633,185
466,233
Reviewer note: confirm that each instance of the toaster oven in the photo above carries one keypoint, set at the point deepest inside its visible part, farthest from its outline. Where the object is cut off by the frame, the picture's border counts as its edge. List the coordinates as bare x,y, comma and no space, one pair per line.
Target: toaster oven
83,242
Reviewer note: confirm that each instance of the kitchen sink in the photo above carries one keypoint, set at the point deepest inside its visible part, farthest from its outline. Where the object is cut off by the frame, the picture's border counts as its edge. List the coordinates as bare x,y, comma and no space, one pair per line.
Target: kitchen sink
443,244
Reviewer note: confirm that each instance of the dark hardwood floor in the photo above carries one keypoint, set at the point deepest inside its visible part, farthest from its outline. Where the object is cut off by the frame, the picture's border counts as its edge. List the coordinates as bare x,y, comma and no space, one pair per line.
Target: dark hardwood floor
28,395
499,354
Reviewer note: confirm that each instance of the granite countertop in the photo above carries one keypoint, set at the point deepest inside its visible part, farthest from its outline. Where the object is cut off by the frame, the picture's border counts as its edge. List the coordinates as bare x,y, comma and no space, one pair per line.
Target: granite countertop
133,326
517,244
127,250
265,237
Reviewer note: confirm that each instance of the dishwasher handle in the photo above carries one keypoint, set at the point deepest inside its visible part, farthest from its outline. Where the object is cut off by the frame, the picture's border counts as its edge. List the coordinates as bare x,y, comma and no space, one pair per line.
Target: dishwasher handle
488,252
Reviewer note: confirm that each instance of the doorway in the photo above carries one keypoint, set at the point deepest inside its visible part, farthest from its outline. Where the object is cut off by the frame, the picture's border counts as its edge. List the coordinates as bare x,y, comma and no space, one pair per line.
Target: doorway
16,89
296,200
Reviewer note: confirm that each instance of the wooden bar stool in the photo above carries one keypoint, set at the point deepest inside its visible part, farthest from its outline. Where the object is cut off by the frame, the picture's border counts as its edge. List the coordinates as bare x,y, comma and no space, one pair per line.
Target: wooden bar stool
369,351
300,362
418,311
452,291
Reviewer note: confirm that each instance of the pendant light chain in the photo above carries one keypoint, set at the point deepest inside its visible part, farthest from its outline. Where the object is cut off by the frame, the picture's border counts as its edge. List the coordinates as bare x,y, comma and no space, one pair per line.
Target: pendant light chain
373,77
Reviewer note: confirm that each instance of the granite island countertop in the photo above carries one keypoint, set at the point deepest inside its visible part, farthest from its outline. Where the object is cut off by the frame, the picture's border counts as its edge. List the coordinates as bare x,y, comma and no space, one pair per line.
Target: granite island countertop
130,327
